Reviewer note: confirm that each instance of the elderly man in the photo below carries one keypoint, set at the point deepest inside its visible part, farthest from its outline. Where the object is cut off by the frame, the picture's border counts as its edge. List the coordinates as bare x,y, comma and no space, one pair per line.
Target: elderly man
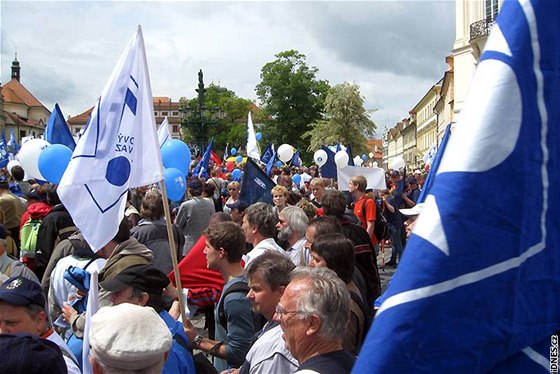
10,267
259,225
313,313
128,338
22,310
291,229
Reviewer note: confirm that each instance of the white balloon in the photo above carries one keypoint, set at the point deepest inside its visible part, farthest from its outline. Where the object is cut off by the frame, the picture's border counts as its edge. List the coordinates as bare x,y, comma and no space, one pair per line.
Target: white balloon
371,155
320,157
28,157
11,164
398,163
341,159
285,152
375,164
358,161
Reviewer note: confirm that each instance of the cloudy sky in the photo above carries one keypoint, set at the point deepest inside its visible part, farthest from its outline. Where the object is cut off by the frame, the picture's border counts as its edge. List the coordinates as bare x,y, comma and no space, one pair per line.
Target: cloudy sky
394,50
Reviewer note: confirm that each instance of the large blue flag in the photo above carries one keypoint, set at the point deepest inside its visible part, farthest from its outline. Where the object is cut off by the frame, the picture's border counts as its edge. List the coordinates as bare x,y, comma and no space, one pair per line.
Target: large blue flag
201,168
478,288
328,170
57,131
4,154
256,186
119,150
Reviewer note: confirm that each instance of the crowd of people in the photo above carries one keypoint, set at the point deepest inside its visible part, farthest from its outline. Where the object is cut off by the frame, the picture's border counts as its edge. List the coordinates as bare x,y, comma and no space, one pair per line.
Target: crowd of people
284,287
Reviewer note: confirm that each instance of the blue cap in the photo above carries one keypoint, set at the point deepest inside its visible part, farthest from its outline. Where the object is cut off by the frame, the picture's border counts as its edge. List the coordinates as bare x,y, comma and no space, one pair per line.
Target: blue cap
25,353
21,291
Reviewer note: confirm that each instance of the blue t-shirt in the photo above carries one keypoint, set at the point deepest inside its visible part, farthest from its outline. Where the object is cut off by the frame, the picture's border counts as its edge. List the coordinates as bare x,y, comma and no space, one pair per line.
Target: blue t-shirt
180,359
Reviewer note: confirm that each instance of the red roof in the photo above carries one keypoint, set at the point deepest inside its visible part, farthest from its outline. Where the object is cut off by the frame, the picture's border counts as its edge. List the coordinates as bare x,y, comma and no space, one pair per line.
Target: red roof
15,92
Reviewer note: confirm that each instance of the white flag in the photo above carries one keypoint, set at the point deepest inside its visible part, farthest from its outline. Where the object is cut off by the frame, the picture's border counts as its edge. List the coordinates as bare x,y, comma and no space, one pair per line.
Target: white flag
375,177
92,308
163,132
252,148
119,150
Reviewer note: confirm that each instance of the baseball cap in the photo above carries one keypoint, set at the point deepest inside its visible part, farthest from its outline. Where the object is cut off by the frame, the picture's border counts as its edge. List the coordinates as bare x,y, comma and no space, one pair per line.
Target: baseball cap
239,205
145,278
26,353
412,179
395,174
35,195
21,291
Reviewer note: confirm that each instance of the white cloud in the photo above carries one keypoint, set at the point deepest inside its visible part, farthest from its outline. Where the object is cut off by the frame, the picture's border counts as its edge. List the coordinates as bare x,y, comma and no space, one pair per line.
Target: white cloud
394,50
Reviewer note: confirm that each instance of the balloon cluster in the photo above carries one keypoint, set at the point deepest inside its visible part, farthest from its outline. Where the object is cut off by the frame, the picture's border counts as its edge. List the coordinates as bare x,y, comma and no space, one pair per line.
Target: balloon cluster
176,158
44,161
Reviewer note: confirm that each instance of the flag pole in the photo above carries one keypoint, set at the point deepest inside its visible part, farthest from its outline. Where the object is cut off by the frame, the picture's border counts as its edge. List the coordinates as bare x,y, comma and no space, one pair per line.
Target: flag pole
173,250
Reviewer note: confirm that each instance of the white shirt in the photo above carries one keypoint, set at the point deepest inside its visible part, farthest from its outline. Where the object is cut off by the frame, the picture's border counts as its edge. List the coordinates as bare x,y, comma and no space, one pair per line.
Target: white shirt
260,248
296,251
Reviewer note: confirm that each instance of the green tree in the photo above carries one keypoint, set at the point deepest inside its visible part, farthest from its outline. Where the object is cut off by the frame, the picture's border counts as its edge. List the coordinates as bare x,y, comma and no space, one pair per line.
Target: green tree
226,111
292,98
346,120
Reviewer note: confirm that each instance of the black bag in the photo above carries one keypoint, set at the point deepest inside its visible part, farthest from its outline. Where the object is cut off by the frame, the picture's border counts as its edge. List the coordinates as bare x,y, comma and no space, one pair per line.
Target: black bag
381,227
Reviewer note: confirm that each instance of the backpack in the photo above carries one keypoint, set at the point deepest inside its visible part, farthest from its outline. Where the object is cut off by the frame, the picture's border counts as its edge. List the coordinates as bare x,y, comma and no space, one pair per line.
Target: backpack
381,227
28,237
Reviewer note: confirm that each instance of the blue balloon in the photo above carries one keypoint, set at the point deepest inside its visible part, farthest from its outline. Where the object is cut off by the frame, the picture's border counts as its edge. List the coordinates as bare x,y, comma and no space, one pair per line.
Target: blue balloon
53,162
175,184
279,164
364,157
296,178
236,174
239,159
233,151
176,154
258,136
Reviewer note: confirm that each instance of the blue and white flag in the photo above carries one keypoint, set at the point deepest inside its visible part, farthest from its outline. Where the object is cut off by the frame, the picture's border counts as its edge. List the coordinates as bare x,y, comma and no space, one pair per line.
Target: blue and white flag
57,131
4,154
267,154
478,288
119,150
13,146
430,154
163,132
252,147
201,168
256,186
296,160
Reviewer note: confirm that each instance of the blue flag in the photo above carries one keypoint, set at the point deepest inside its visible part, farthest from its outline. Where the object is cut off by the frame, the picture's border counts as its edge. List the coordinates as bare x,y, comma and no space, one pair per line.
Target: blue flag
270,163
328,170
435,165
256,186
478,288
4,154
296,161
201,168
57,131
350,157
267,154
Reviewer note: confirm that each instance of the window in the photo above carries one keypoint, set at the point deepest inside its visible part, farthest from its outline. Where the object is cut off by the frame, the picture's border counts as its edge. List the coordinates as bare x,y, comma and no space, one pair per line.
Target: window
163,114
490,9
175,129
155,114
22,134
175,114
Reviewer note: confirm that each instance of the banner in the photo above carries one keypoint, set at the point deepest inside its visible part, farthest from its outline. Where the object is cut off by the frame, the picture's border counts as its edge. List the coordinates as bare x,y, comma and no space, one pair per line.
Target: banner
375,177
256,186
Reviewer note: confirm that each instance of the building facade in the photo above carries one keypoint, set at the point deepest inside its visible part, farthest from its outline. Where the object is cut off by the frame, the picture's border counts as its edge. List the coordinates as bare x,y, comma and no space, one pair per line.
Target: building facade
21,111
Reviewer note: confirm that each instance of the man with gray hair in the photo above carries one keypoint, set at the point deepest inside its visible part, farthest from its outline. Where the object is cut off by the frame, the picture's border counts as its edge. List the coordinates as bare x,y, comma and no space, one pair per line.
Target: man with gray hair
313,313
291,227
259,226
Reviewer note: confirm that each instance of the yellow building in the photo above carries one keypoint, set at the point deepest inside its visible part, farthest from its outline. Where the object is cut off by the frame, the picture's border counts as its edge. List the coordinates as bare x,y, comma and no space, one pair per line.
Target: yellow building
426,121
22,112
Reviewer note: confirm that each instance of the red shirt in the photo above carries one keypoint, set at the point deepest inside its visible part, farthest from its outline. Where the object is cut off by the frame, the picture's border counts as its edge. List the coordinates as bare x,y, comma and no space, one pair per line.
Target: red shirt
369,214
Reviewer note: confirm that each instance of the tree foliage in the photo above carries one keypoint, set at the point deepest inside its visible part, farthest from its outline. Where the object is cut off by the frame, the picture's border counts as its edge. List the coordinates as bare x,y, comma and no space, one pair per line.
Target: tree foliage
346,120
227,111
292,98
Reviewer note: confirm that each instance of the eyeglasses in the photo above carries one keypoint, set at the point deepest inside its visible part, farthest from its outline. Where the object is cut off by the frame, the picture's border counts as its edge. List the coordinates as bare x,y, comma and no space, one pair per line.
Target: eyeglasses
281,311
